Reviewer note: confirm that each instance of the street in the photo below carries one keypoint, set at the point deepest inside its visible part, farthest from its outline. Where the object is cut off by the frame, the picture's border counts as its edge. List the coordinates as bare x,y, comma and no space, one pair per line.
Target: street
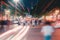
27,33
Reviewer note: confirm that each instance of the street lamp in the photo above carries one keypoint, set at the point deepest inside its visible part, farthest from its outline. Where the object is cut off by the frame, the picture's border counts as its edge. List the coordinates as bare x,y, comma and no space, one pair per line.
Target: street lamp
16,1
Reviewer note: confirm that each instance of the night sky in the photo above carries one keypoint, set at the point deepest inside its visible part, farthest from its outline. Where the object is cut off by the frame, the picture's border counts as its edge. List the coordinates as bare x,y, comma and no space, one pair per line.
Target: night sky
29,3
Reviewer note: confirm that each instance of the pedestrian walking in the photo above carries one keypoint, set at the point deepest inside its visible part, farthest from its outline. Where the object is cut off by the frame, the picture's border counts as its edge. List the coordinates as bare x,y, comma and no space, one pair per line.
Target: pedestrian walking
47,31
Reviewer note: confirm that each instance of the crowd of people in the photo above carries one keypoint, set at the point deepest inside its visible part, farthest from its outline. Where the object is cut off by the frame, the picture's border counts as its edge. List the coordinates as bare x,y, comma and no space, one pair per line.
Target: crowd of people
5,22
28,21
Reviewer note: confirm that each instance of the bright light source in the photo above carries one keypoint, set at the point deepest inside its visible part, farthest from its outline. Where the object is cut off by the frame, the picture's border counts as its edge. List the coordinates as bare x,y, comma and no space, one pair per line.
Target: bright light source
16,1
7,11
57,11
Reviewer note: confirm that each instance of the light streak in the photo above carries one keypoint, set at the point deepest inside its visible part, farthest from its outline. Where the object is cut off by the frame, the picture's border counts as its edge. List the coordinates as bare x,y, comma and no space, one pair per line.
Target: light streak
18,33
22,6
23,34
10,32
14,6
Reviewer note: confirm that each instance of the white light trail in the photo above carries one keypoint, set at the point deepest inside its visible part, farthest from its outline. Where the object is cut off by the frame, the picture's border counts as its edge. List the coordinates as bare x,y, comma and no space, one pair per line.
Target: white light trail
22,6
13,5
19,33
23,34
10,32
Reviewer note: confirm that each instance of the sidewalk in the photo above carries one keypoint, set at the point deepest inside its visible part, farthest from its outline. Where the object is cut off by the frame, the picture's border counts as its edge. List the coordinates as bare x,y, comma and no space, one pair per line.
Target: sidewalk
56,35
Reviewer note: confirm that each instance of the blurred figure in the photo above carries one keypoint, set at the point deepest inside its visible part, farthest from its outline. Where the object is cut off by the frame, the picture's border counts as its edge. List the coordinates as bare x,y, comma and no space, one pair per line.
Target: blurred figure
47,31
39,21
5,22
1,26
33,22
53,24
